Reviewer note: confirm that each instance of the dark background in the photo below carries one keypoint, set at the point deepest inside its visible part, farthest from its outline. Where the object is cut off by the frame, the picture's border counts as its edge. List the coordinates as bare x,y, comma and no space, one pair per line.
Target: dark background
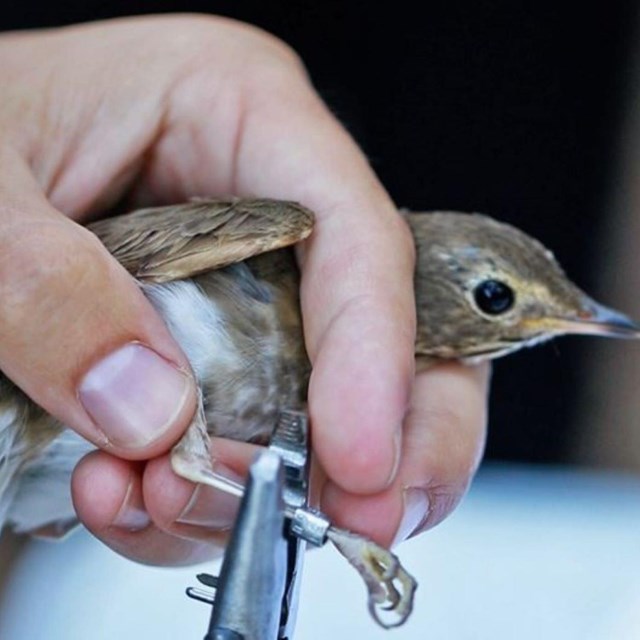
509,108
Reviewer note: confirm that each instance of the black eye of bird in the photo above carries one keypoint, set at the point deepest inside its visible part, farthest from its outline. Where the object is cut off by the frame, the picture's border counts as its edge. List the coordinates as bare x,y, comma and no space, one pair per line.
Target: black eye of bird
493,297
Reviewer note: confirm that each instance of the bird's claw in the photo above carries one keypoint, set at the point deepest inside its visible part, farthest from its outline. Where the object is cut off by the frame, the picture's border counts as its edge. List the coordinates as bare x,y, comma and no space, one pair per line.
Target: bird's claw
391,588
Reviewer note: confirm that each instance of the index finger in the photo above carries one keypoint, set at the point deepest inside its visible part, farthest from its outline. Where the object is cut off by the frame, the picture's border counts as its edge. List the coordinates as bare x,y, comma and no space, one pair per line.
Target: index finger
357,293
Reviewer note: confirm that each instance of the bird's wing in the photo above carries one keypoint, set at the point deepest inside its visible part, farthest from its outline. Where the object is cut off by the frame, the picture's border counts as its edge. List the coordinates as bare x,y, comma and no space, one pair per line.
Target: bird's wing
174,242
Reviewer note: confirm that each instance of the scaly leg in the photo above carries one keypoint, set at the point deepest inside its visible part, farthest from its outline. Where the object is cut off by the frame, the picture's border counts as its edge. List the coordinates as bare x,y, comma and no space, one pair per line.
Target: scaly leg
191,456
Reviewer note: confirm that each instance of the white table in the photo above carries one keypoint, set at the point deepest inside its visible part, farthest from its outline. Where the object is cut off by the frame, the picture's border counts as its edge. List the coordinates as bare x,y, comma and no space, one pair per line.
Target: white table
531,554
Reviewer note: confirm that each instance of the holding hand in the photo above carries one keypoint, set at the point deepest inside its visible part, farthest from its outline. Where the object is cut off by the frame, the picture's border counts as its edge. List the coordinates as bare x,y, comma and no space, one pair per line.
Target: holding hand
160,109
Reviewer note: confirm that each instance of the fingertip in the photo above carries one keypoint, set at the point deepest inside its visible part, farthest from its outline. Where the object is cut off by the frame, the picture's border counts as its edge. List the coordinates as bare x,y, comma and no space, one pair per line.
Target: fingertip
106,493
445,432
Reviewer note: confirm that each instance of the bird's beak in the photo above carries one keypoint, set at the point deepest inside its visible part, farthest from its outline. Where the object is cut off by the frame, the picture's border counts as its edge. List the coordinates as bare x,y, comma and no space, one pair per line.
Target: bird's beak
596,320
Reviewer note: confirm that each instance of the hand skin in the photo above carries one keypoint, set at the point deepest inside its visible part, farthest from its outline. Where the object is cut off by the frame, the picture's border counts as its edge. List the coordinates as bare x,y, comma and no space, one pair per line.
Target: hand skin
159,109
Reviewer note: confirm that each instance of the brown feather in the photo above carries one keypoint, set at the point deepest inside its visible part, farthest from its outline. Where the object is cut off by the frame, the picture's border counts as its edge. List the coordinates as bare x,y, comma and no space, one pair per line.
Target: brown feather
179,241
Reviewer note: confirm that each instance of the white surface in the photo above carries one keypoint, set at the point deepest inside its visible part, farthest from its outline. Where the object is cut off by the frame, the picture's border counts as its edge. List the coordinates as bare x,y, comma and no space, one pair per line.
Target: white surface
530,554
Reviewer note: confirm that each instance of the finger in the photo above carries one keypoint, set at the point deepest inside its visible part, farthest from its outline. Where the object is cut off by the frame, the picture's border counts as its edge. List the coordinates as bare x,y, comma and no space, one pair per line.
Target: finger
78,336
107,495
357,295
442,446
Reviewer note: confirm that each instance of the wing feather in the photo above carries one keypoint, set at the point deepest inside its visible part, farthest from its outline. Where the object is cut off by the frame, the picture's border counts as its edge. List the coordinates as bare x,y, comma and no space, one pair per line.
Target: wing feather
161,244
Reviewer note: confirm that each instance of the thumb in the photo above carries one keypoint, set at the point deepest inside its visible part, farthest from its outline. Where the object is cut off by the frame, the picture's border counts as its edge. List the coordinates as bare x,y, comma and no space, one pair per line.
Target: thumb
76,333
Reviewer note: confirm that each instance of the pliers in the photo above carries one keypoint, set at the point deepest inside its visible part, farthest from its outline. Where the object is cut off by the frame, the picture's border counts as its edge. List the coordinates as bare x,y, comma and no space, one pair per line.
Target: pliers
256,593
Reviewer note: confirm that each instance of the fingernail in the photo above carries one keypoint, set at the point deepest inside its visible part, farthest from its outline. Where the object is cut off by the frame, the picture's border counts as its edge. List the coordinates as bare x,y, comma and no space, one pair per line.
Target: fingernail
134,395
212,508
416,510
132,515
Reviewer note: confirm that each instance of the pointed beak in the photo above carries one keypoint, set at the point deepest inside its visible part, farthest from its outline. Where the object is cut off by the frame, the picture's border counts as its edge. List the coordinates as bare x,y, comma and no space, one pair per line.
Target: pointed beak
597,320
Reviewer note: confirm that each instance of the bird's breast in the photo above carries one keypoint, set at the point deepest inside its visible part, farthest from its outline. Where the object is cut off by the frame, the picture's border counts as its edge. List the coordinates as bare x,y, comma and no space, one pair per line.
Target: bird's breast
248,359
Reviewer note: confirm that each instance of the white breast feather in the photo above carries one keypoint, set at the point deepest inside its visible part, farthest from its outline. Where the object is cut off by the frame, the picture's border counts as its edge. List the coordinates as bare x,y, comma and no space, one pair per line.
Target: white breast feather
196,323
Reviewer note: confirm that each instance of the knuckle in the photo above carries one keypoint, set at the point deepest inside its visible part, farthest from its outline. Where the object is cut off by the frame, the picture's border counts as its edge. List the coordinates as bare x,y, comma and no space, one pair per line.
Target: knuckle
267,51
264,57
208,33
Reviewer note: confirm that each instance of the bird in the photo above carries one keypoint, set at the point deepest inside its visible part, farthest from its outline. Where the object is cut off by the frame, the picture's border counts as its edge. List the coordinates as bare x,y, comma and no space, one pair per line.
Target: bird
223,275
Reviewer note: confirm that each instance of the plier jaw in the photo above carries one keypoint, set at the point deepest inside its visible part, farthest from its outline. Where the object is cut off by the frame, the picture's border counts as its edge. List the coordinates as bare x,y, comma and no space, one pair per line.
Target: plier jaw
256,593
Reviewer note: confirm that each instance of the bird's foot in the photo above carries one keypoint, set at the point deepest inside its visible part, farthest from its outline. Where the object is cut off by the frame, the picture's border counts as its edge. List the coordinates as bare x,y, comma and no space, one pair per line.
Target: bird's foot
391,588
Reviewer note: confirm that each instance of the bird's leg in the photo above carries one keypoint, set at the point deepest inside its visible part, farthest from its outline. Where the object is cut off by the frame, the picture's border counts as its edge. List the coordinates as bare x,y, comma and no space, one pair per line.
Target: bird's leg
191,456
390,587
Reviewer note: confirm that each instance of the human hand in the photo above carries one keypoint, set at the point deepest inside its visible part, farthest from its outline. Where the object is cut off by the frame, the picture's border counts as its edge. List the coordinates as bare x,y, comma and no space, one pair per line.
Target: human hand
160,109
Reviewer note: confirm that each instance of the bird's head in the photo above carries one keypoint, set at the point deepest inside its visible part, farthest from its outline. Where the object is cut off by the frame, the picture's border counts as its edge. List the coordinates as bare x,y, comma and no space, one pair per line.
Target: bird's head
485,289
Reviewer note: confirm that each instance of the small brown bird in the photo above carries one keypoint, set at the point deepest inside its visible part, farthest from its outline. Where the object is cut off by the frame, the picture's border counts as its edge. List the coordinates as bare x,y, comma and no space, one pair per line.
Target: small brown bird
222,278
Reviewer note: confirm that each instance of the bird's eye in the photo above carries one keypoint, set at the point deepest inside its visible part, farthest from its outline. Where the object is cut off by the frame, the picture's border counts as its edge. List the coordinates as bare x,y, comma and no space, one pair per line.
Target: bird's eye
493,297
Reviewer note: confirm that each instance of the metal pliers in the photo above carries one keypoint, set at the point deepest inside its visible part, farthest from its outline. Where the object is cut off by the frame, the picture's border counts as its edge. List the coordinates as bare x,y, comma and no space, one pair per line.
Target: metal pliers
256,593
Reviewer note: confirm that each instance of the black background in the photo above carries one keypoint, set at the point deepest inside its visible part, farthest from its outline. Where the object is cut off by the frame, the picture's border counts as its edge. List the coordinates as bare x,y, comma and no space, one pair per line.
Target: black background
509,108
